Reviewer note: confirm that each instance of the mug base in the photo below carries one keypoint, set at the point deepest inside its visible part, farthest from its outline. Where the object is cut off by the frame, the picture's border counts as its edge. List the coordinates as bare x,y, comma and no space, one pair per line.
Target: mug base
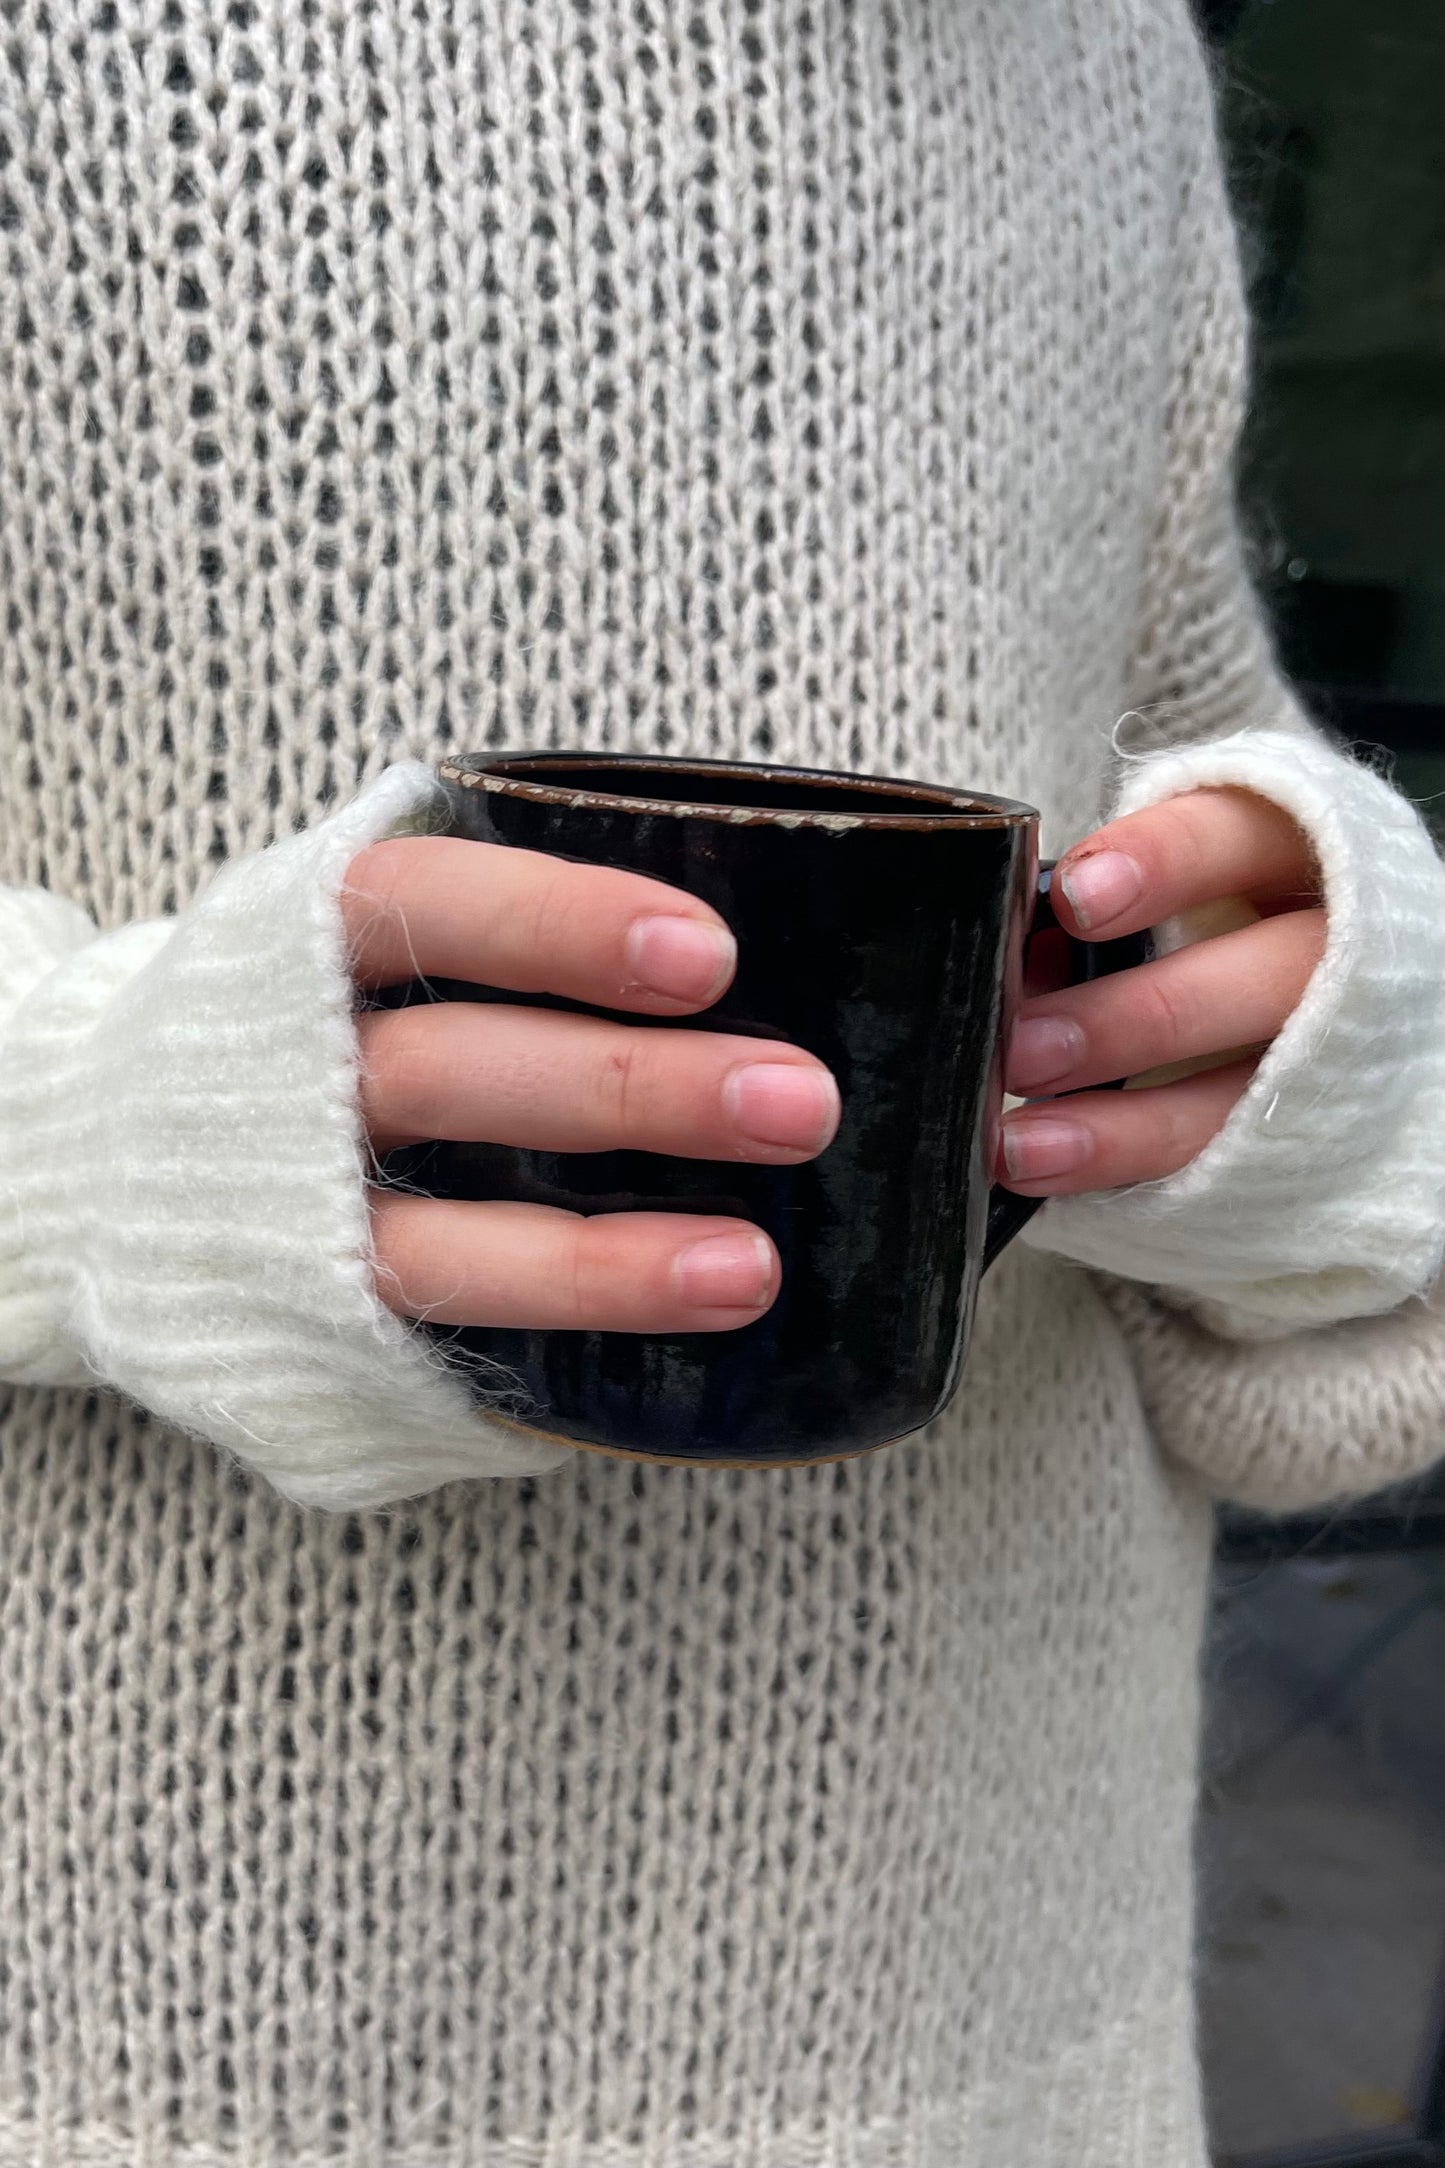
682,1460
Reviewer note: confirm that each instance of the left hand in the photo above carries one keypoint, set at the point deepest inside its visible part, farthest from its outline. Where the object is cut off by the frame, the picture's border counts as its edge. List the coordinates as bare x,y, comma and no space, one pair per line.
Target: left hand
1229,994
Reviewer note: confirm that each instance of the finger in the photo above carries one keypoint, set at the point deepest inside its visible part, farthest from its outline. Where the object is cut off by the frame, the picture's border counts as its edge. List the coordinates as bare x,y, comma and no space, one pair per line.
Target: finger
1190,850
1107,1139
1235,991
479,1072
535,1268
444,907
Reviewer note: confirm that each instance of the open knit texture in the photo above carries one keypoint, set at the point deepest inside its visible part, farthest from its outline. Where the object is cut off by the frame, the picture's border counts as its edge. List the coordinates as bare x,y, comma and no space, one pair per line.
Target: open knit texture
853,385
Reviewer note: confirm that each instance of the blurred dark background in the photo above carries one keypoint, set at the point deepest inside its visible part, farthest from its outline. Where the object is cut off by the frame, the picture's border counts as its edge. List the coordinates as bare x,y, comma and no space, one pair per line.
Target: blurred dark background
1322,1832
1334,119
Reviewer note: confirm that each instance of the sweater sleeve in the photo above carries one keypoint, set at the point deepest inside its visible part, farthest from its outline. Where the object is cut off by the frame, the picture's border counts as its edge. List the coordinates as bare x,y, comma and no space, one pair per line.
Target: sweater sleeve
1323,1198
183,1198
1286,1424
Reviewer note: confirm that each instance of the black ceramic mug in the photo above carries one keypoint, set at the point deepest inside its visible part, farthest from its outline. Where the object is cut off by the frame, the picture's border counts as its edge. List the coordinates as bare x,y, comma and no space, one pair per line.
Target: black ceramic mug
881,925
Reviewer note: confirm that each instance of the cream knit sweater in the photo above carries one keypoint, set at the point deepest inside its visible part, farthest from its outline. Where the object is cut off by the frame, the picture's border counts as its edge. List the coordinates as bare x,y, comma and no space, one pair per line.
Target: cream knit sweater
848,383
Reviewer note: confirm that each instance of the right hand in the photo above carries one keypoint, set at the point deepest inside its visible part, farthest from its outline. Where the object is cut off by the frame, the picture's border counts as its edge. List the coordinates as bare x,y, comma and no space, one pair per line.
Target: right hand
546,1080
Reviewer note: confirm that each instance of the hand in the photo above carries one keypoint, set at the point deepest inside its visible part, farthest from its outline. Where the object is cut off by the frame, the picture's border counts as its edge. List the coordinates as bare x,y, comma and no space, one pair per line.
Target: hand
1225,995
444,907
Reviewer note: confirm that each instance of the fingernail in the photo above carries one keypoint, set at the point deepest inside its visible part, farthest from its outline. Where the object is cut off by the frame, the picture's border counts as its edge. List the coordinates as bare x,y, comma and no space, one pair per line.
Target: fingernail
1099,888
679,958
778,1104
725,1272
1034,1150
1042,1050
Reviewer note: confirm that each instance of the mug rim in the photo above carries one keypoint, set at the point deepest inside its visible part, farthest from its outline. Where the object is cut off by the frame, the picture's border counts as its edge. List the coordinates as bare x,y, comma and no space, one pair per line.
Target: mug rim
956,809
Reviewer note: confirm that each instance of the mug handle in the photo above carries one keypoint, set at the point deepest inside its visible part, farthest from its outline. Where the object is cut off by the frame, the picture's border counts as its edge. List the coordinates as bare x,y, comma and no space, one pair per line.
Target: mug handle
1088,960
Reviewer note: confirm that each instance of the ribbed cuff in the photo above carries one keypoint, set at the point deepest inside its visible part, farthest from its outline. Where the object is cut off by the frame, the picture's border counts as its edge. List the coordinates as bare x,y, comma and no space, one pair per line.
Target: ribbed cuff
184,1207
1323,1197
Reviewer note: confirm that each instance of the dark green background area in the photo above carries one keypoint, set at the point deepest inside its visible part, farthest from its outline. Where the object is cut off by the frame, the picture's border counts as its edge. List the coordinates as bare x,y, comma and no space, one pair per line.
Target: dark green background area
1334,121
1322,1827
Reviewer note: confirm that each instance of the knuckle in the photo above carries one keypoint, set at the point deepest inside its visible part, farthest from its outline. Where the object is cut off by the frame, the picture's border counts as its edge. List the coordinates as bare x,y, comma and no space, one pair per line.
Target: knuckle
571,905
399,1051
372,902
600,1275
1182,845
622,1084
1168,1013
571,902
1176,1129
380,869
392,1251
1286,950
1181,1119
541,920
1312,931
410,1062
575,1278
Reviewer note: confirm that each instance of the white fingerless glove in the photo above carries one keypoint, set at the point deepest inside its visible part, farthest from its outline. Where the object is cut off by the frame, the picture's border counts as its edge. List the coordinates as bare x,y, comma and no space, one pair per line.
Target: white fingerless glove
1323,1197
183,1209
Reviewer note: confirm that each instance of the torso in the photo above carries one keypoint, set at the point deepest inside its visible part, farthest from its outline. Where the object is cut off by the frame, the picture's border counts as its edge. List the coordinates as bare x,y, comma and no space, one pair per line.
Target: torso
783,382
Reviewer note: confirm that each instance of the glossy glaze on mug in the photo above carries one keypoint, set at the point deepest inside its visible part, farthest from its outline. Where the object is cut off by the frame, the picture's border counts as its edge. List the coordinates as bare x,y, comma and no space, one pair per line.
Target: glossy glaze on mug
879,925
